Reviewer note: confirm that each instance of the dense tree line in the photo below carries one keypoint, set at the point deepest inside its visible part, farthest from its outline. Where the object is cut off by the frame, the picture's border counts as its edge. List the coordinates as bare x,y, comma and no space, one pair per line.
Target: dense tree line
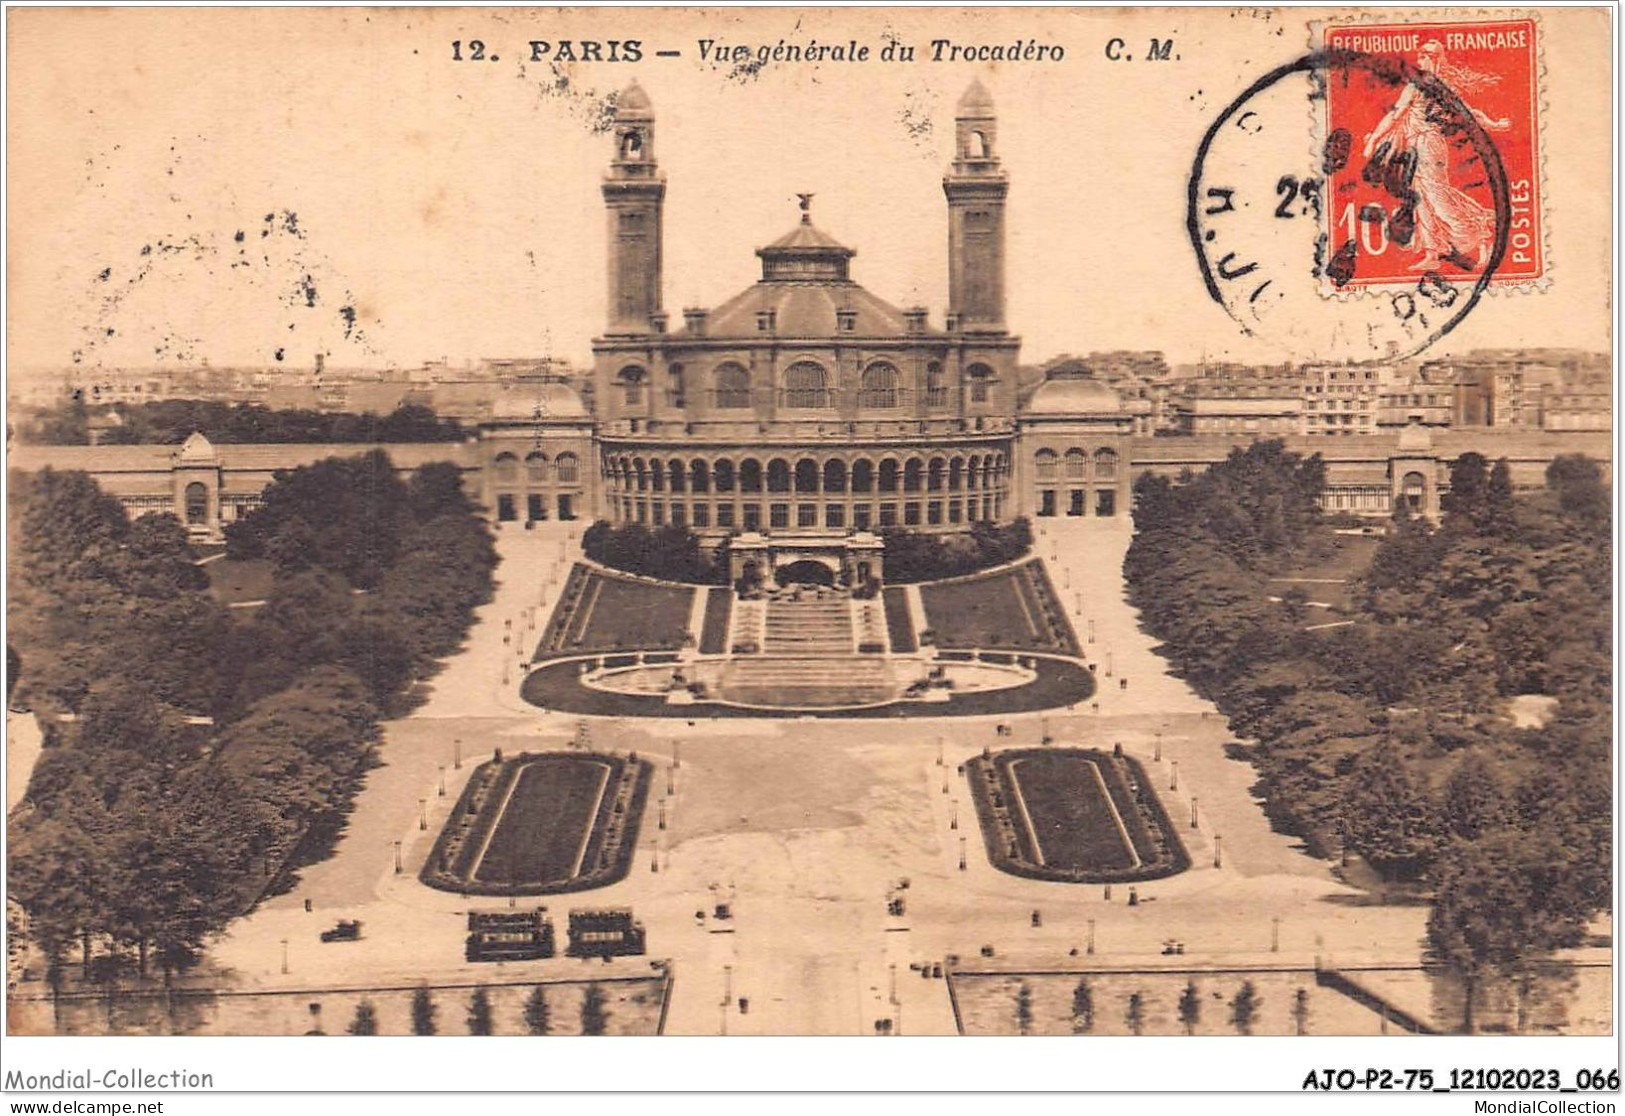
171,421
1389,734
672,552
916,556
675,553
144,829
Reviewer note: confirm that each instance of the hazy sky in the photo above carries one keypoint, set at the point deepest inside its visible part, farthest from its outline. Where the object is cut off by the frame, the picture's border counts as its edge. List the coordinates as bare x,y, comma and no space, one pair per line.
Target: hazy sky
453,208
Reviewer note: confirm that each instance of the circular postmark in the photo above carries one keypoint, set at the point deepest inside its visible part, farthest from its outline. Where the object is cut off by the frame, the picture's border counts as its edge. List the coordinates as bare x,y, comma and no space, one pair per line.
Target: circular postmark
1348,207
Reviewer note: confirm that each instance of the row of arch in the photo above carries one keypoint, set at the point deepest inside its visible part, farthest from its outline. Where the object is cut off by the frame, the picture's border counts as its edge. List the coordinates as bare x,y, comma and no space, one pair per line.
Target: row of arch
537,469
809,475
1075,464
807,385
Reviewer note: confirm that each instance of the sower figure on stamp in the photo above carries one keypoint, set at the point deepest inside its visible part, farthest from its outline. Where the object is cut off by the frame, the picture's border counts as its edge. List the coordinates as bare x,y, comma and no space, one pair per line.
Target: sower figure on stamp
1449,225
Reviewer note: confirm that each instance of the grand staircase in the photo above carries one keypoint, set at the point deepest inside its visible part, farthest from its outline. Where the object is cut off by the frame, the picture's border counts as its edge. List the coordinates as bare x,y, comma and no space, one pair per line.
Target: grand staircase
808,656
808,627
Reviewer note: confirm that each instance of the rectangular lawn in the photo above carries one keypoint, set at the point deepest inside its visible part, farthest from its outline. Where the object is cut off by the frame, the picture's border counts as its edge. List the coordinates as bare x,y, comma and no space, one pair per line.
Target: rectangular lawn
634,615
979,612
546,822
1072,819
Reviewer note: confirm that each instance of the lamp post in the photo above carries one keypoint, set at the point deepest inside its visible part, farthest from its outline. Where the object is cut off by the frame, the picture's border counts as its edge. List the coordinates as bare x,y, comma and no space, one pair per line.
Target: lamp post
1173,779
457,754
1193,811
1091,631
1108,664
423,813
442,780
284,956
961,852
1158,756
953,814
1218,857
397,845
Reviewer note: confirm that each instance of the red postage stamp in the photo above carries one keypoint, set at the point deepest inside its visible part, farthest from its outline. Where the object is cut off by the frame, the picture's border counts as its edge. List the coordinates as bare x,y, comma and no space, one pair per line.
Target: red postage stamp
1433,154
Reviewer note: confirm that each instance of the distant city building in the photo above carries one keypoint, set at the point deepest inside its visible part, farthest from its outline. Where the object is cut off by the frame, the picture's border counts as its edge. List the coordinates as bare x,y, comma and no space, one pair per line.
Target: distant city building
1342,399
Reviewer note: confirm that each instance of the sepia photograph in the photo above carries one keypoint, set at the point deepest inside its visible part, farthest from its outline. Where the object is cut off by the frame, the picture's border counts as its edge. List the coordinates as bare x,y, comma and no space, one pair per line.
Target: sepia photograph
916,523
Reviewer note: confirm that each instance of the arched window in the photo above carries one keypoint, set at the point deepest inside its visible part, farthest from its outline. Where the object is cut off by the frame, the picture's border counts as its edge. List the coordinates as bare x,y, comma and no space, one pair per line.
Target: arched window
976,145
1044,465
1413,490
835,475
1077,464
724,476
806,475
750,475
1106,464
197,503
879,386
980,376
805,385
631,146
567,468
956,474
911,474
933,474
936,392
863,475
630,379
778,475
507,468
973,471
733,386
674,469
699,474
536,468
642,472
888,475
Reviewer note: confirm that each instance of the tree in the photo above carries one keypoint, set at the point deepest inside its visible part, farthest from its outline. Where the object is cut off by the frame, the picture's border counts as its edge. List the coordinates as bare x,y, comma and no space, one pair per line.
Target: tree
1464,504
1502,903
1190,1007
594,1019
1134,1015
1024,1009
1500,510
1300,1011
1244,1008
537,1014
1581,493
1083,1008
365,1021
479,1012
1386,815
1476,801
423,1012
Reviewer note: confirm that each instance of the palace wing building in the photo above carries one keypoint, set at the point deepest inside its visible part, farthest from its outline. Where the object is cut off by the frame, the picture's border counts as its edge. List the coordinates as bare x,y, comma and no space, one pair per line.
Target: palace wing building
803,415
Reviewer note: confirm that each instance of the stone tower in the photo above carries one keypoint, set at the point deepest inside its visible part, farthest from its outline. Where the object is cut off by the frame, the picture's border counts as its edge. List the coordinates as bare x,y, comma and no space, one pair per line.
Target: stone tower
634,195
976,186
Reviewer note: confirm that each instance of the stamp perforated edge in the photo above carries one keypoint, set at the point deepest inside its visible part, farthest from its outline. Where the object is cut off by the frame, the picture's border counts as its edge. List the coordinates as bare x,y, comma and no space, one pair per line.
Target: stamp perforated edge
1399,17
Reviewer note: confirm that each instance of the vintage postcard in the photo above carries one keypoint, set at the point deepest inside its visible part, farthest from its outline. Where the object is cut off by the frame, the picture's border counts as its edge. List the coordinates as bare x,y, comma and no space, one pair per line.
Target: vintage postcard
863,522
